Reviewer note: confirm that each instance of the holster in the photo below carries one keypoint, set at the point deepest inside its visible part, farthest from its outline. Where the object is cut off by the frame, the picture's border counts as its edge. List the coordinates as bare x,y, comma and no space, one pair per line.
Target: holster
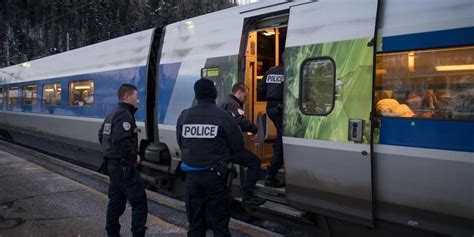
224,169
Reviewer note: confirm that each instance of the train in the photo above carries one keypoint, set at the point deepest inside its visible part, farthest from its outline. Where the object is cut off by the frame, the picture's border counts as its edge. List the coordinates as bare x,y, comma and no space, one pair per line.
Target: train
378,112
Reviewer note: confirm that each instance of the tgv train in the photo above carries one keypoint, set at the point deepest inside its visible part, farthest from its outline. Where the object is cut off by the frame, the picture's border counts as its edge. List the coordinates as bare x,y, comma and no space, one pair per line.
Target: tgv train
378,106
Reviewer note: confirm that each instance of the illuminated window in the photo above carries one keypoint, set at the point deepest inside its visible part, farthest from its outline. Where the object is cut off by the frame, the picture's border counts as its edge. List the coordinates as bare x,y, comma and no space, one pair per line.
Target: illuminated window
81,93
1,96
436,84
29,95
13,95
52,94
210,72
317,86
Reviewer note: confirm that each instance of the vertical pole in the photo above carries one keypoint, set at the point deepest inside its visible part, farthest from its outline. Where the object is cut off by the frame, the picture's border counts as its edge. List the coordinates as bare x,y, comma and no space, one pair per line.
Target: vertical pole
277,46
7,45
67,41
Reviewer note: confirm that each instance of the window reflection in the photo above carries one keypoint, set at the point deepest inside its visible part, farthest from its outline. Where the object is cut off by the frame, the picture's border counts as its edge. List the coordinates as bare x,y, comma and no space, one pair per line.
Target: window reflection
29,95
52,94
81,93
437,84
317,86
13,95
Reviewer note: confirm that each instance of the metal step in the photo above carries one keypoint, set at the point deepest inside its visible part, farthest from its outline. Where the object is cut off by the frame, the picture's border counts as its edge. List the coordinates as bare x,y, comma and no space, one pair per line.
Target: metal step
272,191
273,194
279,209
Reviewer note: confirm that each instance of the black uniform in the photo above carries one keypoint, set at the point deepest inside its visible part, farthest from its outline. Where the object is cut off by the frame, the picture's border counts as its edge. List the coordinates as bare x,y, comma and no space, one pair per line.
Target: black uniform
207,136
244,158
271,89
235,107
118,136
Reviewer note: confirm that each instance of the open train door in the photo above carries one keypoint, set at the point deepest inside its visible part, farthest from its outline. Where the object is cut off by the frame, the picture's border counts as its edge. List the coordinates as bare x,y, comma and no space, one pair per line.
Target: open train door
329,66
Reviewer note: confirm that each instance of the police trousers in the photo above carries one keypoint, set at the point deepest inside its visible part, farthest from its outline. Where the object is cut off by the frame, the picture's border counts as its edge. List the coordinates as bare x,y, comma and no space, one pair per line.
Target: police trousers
125,184
207,203
252,162
276,115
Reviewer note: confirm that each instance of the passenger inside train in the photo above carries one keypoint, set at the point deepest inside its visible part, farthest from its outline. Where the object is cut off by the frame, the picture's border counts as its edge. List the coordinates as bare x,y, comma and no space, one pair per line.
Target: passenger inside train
52,94
432,84
81,93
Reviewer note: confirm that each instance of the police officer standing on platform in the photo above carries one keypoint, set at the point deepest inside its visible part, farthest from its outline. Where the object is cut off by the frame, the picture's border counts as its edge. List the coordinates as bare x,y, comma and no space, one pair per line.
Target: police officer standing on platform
234,104
118,136
208,137
271,89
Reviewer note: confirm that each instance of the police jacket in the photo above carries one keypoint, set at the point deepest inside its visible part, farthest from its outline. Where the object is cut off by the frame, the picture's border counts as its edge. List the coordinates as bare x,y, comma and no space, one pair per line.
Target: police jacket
118,134
234,106
207,135
270,88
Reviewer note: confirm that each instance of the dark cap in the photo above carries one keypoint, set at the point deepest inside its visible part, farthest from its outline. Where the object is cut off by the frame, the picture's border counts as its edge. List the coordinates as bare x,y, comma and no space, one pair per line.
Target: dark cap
204,89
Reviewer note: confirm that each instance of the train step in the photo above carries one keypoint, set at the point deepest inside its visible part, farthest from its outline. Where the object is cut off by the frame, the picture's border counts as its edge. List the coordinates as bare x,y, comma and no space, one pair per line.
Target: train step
273,194
278,208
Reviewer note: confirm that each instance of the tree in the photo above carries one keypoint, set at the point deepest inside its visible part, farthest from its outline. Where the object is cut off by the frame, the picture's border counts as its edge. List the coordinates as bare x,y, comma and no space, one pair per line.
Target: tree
32,29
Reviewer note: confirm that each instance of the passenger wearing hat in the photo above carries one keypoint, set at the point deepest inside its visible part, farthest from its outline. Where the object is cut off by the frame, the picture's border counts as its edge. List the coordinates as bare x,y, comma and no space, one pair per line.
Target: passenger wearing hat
207,137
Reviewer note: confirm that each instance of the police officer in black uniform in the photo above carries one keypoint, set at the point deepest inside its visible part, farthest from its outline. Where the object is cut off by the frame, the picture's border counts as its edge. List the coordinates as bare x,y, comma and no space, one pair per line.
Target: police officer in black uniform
118,136
208,137
271,89
234,104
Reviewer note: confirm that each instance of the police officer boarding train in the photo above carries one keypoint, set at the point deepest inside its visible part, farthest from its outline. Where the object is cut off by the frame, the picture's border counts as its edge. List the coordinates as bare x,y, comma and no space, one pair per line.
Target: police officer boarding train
271,90
208,137
118,137
234,104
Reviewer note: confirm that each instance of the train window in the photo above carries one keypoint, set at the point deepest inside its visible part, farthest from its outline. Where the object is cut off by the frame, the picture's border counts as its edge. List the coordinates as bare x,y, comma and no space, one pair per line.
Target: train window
317,86
210,72
436,84
1,96
13,95
52,94
81,93
29,95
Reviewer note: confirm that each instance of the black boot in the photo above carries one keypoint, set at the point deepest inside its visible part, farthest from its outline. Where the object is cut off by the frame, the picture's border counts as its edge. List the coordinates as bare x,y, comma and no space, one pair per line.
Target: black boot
273,182
251,200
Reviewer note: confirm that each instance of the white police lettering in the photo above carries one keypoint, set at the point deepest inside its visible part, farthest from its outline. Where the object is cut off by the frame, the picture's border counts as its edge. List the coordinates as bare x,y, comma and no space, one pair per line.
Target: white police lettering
275,78
199,131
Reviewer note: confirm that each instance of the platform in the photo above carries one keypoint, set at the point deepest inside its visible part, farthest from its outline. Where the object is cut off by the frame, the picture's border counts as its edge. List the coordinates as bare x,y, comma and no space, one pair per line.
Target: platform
41,195
37,202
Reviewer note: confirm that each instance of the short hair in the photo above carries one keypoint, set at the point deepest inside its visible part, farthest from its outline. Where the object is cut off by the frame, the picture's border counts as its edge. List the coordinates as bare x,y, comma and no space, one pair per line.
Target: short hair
125,89
239,86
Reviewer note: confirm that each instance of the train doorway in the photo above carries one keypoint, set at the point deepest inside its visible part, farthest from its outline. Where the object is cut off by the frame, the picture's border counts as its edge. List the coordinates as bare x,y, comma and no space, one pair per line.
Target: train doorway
264,49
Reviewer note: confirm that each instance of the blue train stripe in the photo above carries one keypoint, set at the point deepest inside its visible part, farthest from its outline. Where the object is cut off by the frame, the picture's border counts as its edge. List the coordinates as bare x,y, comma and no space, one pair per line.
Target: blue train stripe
166,83
428,133
428,40
105,93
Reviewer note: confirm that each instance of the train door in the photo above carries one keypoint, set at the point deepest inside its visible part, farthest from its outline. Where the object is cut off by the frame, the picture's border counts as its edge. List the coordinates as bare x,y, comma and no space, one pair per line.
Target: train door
329,67
265,44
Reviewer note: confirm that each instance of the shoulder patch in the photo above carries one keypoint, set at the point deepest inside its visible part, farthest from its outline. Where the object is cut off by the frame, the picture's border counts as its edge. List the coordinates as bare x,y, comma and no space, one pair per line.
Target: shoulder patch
126,126
199,131
107,128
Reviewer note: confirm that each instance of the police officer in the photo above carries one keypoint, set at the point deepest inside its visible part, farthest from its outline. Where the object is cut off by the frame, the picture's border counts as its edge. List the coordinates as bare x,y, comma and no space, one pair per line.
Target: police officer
118,136
208,137
271,89
234,105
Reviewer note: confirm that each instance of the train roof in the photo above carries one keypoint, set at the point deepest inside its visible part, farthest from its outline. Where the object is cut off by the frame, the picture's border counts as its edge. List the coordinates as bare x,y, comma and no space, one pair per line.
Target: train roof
123,52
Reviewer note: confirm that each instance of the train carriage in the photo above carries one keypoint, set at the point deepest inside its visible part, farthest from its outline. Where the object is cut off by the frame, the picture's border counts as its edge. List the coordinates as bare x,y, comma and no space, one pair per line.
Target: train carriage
378,104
